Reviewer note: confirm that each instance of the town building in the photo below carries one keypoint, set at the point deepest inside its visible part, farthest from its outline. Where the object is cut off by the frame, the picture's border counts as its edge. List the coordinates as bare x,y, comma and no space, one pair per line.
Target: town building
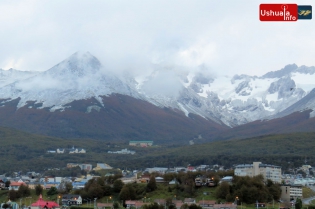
141,143
271,172
123,151
102,166
291,192
71,199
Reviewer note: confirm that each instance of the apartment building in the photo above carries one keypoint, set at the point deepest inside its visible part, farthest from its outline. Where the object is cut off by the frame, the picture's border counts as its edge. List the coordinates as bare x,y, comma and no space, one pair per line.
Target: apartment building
271,172
290,192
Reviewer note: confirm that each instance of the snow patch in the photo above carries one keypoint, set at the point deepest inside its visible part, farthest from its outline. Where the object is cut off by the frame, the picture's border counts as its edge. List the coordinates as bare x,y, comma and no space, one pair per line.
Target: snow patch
93,107
304,81
183,109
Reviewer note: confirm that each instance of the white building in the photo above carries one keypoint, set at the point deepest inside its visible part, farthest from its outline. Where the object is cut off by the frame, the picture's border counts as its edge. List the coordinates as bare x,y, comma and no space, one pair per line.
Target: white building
271,172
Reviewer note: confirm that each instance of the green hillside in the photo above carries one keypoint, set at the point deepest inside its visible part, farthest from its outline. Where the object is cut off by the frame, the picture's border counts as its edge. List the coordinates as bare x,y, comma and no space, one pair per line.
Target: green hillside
28,152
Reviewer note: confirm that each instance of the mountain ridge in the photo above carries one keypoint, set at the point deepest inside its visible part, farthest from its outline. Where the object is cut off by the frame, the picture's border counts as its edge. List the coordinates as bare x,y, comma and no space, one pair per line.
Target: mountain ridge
228,101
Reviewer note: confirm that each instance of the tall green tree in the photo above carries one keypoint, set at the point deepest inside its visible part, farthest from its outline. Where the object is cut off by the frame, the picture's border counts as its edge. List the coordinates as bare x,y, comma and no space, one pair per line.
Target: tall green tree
298,203
68,187
52,191
118,185
223,190
124,193
151,186
13,195
194,206
38,189
5,205
153,205
7,183
24,191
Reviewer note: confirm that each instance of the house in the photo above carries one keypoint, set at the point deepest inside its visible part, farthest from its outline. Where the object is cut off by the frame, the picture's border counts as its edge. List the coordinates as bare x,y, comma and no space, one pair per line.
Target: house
160,170
12,205
227,179
104,205
141,143
207,204
60,150
44,204
86,167
72,165
160,201
180,169
32,185
16,185
173,182
81,150
78,185
48,185
123,151
159,179
225,206
71,199
102,166
130,203
178,204
145,178
76,150
190,201
2,184
140,204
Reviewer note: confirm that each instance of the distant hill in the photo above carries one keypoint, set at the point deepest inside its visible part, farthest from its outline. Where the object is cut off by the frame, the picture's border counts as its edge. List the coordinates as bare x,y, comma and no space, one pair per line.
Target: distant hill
25,152
295,122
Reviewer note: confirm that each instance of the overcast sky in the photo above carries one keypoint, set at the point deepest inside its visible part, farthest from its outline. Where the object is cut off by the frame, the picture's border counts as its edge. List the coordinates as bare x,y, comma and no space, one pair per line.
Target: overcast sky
227,38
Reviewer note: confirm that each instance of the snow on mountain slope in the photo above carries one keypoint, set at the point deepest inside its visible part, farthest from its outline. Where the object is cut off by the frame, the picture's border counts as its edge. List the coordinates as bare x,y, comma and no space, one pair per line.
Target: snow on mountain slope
78,77
230,100
306,103
12,75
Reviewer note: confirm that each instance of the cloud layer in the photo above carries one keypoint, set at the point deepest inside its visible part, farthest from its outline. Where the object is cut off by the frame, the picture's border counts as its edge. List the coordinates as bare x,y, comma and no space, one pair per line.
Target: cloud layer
130,35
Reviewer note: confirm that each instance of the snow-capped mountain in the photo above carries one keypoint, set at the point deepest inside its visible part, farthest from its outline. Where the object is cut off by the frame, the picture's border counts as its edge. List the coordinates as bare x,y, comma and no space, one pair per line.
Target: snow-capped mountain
229,100
78,77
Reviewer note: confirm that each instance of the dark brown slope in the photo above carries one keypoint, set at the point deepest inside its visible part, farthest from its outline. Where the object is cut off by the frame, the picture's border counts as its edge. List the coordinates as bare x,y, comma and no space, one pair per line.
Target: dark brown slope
123,118
295,122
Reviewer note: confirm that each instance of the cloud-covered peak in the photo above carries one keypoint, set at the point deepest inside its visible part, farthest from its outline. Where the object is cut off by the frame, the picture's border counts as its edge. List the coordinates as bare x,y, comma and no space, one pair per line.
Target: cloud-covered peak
78,64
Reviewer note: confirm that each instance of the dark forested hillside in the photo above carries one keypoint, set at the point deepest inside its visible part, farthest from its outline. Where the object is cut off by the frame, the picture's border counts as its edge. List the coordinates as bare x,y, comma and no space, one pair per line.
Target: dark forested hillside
24,151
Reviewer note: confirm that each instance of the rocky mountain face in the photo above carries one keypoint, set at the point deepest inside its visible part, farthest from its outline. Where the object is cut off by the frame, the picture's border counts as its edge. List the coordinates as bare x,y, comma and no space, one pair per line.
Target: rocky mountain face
226,101
235,100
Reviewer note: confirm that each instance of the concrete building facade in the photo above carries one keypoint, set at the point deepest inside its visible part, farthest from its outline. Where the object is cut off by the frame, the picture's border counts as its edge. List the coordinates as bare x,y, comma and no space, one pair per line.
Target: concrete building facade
271,172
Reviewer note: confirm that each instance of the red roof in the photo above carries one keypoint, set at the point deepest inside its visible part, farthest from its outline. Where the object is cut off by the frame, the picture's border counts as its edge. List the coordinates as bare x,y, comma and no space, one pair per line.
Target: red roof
42,203
15,183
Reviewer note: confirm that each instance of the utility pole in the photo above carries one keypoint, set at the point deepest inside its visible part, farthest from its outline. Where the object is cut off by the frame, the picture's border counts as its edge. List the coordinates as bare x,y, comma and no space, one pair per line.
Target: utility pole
95,202
257,204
